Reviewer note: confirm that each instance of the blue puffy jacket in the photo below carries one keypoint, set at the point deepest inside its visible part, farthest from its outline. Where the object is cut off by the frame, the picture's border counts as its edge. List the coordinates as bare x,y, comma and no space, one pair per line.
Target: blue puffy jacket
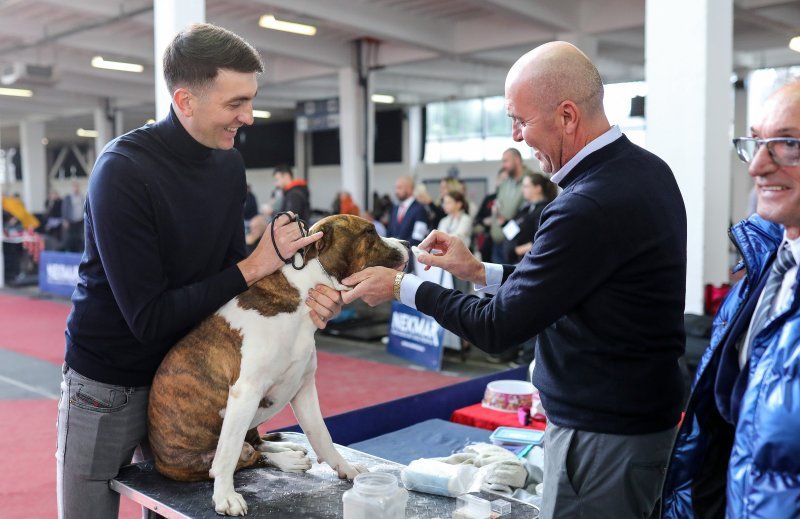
756,472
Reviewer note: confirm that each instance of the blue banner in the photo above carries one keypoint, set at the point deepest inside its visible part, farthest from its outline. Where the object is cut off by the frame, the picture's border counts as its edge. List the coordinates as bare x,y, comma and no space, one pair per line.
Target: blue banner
415,336
58,272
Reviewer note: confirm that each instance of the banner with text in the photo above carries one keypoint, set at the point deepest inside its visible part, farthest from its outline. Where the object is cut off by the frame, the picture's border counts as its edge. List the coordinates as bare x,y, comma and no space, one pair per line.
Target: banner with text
58,272
415,336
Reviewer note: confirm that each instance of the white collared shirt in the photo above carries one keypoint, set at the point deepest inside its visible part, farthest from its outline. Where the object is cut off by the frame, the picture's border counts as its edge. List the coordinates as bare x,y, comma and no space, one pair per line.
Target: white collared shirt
601,141
782,299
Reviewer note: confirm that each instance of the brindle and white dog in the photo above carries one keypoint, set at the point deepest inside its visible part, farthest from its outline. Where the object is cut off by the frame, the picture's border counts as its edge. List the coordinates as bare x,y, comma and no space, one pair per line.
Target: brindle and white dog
244,363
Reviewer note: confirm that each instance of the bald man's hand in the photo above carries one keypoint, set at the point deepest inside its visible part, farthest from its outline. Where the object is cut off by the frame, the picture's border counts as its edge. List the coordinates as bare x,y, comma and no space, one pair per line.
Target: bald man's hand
453,256
373,285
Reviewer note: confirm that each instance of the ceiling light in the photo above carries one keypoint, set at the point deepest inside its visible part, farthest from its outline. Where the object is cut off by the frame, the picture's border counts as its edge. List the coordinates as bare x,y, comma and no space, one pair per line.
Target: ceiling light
86,133
262,114
18,92
382,98
269,22
99,62
794,44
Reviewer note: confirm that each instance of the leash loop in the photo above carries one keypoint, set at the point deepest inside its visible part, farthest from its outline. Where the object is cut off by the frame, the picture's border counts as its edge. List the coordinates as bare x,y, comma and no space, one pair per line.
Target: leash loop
303,231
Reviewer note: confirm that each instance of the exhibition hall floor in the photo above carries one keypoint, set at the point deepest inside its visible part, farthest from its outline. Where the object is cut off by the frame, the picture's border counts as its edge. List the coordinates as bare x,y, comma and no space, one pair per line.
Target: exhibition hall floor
351,374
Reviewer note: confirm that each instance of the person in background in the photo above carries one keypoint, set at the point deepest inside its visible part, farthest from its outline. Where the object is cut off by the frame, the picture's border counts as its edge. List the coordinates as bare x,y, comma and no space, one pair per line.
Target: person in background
738,449
481,236
72,208
160,257
409,219
250,204
344,204
296,197
53,221
603,288
507,202
456,220
538,191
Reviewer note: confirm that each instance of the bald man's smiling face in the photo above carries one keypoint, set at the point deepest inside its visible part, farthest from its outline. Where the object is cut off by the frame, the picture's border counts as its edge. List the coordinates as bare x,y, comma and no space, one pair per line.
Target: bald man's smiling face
534,124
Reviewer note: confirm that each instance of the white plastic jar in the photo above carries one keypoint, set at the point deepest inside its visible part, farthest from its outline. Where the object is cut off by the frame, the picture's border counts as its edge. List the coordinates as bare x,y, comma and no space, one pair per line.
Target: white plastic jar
375,495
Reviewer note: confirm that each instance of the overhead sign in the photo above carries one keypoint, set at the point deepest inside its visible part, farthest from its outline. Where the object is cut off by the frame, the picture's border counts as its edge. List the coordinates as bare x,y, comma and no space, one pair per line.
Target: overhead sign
58,272
317,115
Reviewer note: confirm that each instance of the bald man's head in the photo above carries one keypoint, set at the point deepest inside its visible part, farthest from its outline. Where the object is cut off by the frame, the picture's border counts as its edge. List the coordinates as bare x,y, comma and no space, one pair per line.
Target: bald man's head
403,187
558,71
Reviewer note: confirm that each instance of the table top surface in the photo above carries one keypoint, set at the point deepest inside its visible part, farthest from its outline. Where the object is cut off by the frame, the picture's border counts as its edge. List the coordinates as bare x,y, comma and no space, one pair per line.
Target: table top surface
271,493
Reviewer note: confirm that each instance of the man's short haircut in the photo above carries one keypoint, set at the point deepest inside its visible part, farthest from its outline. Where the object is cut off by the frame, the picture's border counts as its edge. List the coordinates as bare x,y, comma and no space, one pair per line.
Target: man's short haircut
283,168
195,56
515,152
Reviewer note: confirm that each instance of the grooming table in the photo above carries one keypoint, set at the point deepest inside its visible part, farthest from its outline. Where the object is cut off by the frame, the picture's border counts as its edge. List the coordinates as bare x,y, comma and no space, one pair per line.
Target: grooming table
271,493
433,438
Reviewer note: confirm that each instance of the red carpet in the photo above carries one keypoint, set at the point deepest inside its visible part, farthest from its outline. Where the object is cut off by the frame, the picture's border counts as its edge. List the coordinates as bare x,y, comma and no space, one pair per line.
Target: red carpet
28,431
33,327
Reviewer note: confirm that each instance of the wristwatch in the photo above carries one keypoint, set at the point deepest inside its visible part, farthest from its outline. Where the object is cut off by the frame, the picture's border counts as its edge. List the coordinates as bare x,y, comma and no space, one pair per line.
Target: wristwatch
398,278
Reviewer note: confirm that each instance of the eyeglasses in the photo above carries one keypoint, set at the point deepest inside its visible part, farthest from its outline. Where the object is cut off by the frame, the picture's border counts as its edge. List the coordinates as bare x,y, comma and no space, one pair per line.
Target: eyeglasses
785,151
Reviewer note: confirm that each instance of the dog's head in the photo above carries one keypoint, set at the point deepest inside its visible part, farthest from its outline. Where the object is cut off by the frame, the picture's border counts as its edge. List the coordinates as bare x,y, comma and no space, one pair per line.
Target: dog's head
351,244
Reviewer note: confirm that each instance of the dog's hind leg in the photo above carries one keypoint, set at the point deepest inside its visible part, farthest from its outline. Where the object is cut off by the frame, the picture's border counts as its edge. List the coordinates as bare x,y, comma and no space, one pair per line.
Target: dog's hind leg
270,442
305,405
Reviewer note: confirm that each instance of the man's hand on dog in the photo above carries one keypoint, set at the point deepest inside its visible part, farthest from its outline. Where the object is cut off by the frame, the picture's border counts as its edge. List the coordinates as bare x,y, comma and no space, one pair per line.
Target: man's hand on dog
325,304
375,285
264,260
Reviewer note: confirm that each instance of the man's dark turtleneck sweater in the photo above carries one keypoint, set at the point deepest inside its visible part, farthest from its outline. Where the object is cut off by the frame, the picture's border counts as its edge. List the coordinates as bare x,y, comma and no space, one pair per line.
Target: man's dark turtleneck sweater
604,289
163,235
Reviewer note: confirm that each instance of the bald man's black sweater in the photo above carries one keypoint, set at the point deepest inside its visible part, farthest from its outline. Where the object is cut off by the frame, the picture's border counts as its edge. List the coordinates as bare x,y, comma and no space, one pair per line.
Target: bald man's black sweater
604,289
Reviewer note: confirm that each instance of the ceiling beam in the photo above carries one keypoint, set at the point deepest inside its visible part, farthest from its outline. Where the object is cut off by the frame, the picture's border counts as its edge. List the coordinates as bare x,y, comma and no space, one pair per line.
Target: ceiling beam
371,20
559,15
314,50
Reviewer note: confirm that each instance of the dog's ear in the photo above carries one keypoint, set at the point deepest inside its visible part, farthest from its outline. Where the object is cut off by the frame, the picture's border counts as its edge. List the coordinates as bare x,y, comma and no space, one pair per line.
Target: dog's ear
318,246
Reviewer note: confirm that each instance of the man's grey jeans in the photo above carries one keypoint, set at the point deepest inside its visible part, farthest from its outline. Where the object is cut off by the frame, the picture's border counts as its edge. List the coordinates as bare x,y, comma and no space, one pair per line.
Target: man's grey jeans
99,427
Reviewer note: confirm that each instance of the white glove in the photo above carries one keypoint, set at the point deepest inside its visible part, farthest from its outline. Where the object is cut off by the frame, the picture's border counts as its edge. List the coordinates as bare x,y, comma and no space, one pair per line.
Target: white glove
507,473
488,454
459,458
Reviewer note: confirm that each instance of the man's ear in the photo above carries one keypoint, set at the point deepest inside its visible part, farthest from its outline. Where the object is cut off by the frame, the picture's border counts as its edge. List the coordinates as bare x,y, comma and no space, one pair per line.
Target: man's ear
569,115
182,100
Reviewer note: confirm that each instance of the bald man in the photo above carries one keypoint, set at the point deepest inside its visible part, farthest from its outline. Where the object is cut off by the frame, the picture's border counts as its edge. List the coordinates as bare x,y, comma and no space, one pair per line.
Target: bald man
738,450
409,220
603,287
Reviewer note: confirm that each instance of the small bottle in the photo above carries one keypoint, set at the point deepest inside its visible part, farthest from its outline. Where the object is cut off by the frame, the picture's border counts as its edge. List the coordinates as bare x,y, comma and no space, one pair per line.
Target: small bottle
375,495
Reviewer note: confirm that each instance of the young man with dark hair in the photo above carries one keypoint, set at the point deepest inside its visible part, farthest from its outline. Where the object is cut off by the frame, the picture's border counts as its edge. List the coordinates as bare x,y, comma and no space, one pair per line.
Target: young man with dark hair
296,197
164,249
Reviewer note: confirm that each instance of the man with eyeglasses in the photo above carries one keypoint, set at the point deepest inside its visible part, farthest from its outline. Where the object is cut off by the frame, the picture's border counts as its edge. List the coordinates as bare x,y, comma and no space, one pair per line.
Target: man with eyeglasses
738,451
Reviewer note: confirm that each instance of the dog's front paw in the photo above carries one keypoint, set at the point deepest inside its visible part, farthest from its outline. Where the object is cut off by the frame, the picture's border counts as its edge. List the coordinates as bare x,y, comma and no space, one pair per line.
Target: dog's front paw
231,503
289,461
347,471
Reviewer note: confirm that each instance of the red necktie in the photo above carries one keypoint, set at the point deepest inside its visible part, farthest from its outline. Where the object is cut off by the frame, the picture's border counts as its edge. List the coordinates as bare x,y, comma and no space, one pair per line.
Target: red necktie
401,212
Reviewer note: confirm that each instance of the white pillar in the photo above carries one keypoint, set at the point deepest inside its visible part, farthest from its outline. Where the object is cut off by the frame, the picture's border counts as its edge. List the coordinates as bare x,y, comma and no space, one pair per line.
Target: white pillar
741,183
104,128
688,63
170,17
300,164
351,135
413,135
34,164
119,122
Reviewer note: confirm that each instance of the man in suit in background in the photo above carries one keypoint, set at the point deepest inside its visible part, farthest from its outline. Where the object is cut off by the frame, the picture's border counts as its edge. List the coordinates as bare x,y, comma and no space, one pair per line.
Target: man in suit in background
409,219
